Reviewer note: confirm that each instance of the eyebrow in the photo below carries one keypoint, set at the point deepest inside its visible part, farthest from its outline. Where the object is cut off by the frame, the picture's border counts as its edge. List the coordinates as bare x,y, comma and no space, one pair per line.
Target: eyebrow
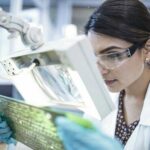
107,49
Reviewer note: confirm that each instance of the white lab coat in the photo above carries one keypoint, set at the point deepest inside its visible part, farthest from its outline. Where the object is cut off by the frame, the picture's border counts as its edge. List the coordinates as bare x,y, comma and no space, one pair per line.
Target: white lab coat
140,138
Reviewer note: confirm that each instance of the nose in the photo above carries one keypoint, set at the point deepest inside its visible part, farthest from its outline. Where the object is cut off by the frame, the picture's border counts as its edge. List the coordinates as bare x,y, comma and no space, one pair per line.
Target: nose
103,70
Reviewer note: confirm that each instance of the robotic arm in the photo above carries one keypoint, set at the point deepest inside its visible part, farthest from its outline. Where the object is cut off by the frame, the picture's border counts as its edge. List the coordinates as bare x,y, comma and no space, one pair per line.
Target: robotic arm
31,36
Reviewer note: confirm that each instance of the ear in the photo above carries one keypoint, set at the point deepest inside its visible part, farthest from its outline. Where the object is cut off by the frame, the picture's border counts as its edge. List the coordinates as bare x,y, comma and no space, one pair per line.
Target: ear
147,45
147,49
147,53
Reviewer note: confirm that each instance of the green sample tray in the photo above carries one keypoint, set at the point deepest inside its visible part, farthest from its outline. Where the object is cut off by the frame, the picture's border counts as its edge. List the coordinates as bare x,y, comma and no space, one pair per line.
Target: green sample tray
32,126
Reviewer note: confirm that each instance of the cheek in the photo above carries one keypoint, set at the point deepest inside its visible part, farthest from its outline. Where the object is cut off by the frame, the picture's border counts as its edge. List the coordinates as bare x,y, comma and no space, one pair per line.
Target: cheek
131,70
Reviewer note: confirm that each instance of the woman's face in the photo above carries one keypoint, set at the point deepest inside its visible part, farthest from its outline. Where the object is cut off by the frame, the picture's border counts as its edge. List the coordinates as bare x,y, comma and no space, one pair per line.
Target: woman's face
124,75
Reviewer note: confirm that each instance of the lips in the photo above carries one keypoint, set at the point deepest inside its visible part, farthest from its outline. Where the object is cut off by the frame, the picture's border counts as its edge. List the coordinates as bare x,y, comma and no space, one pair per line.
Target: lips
110,82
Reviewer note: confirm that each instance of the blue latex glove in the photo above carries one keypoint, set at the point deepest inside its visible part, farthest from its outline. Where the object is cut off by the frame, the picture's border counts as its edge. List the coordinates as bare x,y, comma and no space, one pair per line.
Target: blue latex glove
5,133
76,137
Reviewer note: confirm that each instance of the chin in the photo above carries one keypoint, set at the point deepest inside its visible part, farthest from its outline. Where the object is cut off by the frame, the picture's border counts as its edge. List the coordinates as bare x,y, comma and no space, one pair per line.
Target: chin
115,89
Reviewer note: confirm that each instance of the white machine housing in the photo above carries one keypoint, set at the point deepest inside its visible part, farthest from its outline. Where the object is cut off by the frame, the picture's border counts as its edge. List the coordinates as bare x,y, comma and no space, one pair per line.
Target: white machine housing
61,73
76,54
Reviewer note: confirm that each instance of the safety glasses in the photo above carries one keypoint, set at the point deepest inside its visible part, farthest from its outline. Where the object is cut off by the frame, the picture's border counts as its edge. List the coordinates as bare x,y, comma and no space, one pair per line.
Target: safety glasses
115,59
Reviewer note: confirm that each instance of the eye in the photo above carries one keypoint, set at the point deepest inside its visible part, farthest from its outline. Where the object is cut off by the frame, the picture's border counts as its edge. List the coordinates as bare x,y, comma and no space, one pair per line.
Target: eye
114,56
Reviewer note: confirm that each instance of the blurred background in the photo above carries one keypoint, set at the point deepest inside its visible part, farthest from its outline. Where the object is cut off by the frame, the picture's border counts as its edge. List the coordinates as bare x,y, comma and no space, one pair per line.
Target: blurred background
57,18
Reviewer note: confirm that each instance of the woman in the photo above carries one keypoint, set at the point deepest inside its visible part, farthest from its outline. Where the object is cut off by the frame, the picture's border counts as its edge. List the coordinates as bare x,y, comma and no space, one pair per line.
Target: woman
119,31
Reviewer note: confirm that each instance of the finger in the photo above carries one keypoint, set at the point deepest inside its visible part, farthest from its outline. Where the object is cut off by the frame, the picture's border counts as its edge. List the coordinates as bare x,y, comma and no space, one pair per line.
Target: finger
4,130
5,135
11,140
3,124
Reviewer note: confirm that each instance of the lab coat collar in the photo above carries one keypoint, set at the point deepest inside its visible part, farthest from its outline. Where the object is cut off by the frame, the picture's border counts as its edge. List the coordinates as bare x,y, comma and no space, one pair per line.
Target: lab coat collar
109,123
145,114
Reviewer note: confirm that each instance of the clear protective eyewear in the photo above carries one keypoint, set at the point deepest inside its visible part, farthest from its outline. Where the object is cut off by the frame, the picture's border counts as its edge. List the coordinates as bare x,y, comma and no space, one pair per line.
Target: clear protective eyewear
115,59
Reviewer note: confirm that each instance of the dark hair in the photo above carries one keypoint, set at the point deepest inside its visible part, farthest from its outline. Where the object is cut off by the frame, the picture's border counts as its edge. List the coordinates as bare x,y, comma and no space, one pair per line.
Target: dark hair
125,19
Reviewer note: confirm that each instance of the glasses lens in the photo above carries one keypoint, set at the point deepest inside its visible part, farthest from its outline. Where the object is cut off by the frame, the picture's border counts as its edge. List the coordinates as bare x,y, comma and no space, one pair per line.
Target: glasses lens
113,60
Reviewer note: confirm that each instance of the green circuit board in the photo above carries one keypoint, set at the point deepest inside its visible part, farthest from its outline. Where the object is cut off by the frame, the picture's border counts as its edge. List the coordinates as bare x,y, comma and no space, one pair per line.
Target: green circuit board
31,125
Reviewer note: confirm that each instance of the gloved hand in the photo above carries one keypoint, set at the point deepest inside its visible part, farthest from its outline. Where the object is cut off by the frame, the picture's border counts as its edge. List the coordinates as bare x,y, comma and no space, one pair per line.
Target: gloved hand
77,137
5,133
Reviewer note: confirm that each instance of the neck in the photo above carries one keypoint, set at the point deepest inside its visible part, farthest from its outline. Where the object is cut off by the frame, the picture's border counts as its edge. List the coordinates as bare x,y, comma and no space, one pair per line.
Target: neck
138,89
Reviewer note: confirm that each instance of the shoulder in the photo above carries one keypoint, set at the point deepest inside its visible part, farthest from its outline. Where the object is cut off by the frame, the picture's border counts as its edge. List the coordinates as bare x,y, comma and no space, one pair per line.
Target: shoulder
144,118
139,138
